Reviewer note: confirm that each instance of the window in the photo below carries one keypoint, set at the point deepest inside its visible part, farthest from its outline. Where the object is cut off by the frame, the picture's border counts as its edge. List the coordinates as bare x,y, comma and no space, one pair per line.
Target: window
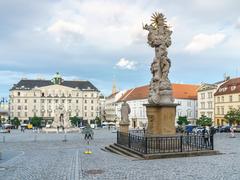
238,97
42,94
85,114
222,98
85,107
76,101
189,113
203,95
189,104
218,99
19,101
49,101
92,101
25,114
209,94
56,101
202,105
218,110
49,114
19,114
77,94
91,107
25,101
85,101
222,110
34,100
25,108
69,101
230,98
19,108
42,100
209,104
19,93
92,114
63,100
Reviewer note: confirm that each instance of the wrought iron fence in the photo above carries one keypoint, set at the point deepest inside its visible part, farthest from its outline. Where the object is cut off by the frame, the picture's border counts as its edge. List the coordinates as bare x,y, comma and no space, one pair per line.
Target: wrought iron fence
167,144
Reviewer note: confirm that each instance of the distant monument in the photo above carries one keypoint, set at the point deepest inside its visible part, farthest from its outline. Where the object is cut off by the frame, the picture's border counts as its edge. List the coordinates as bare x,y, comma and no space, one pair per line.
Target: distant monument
161,110
61,118
125,111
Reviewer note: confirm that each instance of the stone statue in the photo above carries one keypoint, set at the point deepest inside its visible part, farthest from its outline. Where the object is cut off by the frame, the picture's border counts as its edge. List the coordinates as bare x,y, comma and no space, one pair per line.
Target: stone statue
125,111
159,37
61,118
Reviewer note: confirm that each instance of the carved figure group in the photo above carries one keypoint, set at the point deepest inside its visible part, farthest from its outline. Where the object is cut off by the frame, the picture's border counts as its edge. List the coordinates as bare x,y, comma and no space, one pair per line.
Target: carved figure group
159,37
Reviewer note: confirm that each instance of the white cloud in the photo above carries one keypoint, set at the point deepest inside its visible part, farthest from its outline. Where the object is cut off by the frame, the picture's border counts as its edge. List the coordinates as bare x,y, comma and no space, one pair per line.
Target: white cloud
202,42
126,64
115,24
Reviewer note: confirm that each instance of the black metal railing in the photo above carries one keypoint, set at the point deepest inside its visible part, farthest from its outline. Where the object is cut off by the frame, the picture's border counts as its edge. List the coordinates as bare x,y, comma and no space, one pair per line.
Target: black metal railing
166,144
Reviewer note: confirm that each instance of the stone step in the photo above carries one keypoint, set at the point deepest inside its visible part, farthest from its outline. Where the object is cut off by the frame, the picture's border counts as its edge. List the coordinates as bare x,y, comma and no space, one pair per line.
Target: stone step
112,150
129,150
125,151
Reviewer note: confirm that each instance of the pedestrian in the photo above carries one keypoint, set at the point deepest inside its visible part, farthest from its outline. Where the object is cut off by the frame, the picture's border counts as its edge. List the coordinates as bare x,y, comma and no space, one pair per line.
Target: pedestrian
232,132
212,131
205,136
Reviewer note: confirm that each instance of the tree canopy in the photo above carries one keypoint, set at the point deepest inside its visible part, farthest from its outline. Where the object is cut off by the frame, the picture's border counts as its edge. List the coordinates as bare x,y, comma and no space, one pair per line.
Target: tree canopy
204,121
233,116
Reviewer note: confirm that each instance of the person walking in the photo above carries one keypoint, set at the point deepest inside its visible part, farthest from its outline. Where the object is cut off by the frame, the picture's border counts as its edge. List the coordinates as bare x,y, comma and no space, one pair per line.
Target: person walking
232,132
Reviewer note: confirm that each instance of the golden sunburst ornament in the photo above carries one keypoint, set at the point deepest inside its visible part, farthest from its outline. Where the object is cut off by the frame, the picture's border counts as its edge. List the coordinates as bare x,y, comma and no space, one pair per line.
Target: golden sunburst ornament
158,19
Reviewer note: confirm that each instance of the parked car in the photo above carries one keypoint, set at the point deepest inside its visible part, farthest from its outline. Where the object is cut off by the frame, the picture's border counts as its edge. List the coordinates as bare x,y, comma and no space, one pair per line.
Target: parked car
237,128
225,129
197,130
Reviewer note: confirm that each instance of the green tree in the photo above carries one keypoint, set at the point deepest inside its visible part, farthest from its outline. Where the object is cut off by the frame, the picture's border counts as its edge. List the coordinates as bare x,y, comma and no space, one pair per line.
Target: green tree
182,120
98,121
233,116
15,122
36,121
204,121
75,121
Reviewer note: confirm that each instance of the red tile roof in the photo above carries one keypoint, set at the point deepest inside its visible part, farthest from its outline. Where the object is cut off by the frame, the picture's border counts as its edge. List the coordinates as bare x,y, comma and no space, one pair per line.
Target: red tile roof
180,91
229,87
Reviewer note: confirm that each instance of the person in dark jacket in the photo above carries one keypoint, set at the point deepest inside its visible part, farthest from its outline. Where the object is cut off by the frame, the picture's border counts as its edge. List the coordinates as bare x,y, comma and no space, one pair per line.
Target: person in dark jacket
205,136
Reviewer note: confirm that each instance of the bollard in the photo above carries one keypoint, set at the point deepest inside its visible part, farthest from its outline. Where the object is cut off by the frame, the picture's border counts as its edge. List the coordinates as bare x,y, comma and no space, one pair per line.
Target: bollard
3,139
65,138
35,138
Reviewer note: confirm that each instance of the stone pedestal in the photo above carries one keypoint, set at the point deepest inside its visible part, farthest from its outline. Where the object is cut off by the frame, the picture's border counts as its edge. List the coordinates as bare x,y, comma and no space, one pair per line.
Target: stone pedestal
124,127
161,119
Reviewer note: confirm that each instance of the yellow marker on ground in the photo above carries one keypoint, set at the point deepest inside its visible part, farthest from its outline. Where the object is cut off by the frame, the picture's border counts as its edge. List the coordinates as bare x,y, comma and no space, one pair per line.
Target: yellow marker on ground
88,152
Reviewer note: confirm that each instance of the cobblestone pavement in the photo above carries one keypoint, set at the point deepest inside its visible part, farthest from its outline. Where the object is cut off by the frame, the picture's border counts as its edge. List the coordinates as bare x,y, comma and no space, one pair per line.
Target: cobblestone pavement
31,156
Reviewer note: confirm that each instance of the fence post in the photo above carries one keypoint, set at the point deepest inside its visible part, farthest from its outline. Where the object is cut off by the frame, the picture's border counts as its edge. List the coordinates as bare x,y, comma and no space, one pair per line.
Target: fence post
181,143
146,145
211,141
129,139
117,137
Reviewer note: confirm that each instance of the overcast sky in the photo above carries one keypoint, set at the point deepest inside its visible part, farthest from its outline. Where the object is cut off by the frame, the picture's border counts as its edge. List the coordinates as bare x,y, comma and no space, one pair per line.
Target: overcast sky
102,40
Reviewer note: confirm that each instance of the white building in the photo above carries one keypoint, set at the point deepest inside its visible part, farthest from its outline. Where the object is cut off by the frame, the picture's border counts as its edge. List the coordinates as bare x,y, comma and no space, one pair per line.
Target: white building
185,95
110,106
29,98
205,98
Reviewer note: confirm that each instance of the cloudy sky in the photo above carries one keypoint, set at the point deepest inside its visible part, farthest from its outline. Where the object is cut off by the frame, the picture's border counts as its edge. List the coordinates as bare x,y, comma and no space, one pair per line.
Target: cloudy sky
103,40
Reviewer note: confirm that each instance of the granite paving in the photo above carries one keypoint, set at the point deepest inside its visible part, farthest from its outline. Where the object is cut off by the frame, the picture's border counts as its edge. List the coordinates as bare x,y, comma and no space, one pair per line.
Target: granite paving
36,156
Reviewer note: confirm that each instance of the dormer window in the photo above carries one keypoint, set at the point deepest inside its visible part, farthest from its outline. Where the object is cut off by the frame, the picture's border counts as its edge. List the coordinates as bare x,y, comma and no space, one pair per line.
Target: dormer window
42,94
233,88
19,93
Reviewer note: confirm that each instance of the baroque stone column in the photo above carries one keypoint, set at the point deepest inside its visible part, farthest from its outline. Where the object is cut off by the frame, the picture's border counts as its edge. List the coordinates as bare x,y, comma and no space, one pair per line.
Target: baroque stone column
161,110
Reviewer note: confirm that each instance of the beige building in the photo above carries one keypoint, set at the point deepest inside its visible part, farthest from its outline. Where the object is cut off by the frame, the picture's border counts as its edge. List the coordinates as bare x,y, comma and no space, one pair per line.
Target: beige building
226,97
29,98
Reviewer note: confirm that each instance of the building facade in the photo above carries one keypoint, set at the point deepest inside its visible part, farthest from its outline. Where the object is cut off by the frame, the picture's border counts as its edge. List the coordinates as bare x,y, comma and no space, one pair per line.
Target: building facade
110,106
29,98
206,100
226,98
184,94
